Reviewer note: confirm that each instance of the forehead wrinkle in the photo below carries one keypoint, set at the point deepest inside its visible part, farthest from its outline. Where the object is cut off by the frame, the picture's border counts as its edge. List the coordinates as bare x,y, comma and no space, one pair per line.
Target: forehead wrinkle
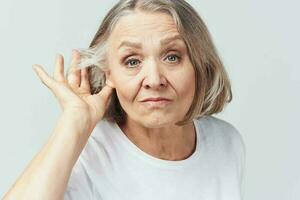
138,45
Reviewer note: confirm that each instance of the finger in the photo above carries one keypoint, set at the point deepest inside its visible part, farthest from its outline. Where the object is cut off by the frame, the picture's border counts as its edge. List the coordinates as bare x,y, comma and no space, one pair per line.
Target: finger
74,73
85,85
59,68
105,94
44,77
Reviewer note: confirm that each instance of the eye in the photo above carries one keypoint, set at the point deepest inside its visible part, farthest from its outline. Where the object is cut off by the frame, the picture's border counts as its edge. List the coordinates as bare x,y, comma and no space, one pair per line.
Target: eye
133,62
173,58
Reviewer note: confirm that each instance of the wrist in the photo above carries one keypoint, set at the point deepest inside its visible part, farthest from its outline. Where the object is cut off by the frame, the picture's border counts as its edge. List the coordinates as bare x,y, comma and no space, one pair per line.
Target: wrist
79,119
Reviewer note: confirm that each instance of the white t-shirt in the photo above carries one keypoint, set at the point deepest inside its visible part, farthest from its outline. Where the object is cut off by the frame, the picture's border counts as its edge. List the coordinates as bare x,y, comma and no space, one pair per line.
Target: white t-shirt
111,167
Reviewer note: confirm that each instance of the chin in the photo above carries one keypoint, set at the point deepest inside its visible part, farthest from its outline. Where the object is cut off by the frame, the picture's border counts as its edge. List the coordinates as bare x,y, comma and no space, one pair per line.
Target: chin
156,122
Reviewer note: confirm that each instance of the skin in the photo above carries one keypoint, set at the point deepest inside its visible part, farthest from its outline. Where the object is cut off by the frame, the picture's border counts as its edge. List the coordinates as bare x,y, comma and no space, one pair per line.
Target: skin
154,70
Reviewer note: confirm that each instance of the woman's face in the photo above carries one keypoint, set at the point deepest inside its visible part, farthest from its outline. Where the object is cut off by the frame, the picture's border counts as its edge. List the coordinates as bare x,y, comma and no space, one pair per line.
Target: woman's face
147,59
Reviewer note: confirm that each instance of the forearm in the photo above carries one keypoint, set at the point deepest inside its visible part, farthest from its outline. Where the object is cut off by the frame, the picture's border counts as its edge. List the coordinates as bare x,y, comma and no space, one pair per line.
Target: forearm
47,175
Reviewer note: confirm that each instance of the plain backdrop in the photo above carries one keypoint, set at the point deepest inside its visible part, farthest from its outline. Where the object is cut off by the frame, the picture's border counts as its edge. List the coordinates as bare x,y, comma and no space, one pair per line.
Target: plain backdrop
258,41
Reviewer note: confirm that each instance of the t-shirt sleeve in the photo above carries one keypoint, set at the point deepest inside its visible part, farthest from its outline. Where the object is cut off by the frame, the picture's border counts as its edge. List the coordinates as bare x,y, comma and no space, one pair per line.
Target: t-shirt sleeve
79,185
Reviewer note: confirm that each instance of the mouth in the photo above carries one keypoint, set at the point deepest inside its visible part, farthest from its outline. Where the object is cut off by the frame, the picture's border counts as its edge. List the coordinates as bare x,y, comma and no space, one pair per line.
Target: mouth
156,99
156,102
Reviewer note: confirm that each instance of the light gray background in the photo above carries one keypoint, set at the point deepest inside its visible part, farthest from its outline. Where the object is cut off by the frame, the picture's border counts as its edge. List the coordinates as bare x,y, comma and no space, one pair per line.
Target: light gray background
258,41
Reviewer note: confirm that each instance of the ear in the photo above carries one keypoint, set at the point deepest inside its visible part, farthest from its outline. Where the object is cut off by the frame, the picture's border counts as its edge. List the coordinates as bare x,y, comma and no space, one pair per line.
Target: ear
108,79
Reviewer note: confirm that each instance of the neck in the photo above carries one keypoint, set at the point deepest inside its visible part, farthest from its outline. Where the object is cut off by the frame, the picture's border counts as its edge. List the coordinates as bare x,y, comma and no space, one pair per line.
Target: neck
170,142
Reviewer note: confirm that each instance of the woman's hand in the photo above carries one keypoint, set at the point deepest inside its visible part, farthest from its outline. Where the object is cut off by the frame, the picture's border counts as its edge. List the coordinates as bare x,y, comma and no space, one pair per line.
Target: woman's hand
73,92
81,112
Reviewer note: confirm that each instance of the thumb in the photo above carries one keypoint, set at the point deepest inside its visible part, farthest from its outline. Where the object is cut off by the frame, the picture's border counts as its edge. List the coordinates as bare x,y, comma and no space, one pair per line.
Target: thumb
105,94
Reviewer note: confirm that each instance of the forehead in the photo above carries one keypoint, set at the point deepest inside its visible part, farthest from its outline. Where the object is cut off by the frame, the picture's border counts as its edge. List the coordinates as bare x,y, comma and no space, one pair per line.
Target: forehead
139,26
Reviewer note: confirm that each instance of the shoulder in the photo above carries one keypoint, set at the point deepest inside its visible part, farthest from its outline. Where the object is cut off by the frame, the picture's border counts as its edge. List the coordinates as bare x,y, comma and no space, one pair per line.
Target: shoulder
218,124
100,139
101,147
222,132
224,139
93,154
103,131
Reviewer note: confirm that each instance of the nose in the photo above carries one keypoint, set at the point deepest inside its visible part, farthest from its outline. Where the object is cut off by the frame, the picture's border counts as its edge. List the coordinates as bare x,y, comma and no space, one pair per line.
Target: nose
154,79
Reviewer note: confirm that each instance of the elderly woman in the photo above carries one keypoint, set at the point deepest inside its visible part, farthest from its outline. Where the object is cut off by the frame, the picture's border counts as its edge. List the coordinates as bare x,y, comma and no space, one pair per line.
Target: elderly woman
136,120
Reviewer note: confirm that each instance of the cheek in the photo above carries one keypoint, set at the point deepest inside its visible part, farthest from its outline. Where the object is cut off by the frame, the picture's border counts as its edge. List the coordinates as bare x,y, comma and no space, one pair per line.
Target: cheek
126,87
184,84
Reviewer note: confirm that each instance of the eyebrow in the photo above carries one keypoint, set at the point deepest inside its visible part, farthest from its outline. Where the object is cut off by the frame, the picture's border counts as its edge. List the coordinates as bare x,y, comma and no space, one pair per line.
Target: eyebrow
139,46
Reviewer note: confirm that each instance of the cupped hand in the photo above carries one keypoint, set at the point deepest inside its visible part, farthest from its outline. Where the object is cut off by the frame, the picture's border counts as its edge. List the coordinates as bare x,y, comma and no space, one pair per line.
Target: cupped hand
73,91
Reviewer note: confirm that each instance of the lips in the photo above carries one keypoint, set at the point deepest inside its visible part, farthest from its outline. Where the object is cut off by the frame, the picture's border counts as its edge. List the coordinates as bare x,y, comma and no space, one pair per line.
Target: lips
156,102
156,99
